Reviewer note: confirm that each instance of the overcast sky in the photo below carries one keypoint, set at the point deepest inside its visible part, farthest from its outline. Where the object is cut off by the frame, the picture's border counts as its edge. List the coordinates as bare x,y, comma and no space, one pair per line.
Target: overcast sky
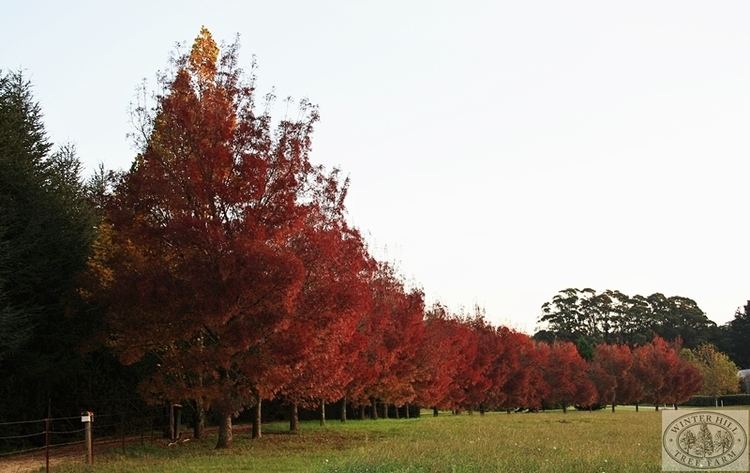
498,151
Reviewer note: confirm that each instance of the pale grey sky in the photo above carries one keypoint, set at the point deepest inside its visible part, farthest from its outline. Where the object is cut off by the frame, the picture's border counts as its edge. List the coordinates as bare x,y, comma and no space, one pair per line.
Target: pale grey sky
499,151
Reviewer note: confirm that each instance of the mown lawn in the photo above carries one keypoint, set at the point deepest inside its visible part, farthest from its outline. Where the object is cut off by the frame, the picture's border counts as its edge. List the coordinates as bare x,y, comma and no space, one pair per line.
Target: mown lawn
598,442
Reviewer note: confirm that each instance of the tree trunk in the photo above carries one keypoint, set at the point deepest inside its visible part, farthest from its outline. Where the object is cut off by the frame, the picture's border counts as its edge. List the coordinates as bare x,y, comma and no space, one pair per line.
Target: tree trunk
257,432
385,410
177,422
362,412
169,432
434,412
614,400
374,413
565,409
481,409
408,414
398,414
225,431
199,423
322,412
657,407
675,406
636,407
293,418
343,409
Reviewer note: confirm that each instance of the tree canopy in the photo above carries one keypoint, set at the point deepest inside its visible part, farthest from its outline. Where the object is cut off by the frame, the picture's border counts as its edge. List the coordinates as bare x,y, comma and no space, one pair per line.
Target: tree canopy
718,371
587,317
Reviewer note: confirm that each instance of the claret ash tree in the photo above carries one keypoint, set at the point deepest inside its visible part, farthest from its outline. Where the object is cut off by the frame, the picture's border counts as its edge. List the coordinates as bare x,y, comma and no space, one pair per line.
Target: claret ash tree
438,358
477,377
521,381
390,331
334,298
566,375
610,372
665,377
206,278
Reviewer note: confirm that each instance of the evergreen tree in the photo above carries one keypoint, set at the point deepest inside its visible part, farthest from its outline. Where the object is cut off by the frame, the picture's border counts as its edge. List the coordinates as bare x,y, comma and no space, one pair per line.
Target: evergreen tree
735,335
45,233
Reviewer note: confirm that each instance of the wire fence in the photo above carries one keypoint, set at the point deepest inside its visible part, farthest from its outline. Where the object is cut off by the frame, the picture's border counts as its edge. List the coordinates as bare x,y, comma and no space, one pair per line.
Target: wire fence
35,442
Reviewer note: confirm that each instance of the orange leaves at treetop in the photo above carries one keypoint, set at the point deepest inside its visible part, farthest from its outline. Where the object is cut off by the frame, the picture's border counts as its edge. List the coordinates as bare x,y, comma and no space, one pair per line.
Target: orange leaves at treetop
204,55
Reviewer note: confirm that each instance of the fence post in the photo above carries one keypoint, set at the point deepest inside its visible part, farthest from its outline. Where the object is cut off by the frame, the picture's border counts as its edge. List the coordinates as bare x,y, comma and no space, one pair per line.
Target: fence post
88,419
46,443
47,424
122,432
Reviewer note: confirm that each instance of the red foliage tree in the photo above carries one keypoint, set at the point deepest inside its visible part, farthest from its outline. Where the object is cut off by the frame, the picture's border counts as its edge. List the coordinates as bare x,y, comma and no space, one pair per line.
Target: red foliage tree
686,381
400,331
466,347
610,372
205,280
332,302
651,363
438,358
471,382
535,387
404,340
566,374
366,364
523,383
664,376
504,362
392,329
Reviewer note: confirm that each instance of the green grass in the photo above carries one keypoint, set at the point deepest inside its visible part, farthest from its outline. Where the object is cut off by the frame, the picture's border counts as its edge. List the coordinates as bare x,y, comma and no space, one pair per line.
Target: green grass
626,441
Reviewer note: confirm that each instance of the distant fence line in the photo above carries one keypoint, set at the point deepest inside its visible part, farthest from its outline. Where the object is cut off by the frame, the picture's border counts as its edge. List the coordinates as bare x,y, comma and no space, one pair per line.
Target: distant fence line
723,400
40,440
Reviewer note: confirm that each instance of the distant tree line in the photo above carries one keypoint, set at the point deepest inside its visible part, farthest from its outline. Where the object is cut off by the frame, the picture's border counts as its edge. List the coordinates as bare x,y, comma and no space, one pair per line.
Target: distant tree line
734,335
220,272
588,317
613,317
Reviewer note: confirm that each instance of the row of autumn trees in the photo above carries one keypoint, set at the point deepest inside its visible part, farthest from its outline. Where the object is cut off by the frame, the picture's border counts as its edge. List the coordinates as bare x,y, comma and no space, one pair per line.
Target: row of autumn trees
220,271
588,317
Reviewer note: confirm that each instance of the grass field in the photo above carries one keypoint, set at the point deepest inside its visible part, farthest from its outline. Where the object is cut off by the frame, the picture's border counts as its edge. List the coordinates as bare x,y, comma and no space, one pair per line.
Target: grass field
598,442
